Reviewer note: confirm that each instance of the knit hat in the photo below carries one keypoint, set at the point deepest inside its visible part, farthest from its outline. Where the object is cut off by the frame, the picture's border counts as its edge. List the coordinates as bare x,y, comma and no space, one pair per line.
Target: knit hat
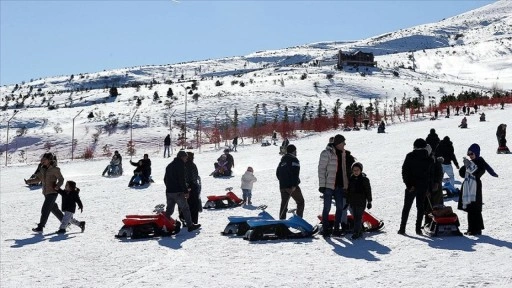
420,143
250,169
475,148
182,154
432,130
291,148
357,164
338,139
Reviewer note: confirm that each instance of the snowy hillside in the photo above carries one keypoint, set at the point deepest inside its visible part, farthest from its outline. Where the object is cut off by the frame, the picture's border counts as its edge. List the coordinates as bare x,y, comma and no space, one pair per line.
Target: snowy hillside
206,259
469,52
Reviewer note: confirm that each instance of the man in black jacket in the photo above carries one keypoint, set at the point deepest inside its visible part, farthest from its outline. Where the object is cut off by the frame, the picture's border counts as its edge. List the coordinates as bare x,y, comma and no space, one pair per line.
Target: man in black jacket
288,174
167,145
445,150
176,190
416,176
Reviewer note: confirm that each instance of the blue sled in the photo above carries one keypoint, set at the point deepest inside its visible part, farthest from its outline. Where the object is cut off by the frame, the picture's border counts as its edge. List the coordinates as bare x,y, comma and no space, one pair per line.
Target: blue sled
238,224
268,229
450,190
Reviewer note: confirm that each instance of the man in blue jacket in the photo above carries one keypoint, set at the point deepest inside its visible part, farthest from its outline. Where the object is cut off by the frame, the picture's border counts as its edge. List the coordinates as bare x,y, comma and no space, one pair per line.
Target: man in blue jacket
288,174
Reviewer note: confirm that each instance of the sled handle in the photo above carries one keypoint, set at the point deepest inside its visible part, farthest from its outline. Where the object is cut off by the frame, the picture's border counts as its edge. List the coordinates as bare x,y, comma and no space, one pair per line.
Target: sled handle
159,208
229,189
262,207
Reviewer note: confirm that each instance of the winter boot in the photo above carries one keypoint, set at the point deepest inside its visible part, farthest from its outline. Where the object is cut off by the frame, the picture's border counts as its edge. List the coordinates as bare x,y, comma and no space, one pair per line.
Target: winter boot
61,231
357,235
194,227
38,229
82,226
418,231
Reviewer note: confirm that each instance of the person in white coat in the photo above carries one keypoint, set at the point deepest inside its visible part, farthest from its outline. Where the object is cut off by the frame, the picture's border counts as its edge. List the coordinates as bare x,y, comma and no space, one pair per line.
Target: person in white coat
248,180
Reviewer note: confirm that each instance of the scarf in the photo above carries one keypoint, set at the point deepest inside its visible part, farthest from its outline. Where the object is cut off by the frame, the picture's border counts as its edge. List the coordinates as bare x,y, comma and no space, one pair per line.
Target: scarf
469,186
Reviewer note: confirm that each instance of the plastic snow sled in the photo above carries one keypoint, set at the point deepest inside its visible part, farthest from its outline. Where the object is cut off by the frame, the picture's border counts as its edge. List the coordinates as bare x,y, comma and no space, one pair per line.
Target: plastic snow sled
450,190
223,201
370,223
444,223
291,228
238,224
147,226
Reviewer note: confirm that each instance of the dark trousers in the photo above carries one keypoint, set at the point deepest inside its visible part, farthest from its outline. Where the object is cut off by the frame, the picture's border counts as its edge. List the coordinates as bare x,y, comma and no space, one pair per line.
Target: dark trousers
339,200
296,194
420,206
193,204
49,205
475,219
357,212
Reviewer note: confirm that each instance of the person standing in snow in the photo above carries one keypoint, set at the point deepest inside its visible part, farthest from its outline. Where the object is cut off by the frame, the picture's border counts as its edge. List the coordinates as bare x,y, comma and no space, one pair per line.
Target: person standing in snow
176,190
434,195
334,169
248,180
446,151
167,145
470,200
501,132
51,178
359,197
287,173
70,198
416,177
194,184
432,139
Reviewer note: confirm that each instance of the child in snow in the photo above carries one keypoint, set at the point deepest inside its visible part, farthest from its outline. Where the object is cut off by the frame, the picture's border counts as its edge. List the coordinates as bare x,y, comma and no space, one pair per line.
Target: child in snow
248,180
70,198
359,197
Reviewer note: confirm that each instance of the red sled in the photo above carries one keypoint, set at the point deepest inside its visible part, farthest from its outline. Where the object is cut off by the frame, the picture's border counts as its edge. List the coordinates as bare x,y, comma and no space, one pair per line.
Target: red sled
147,226
370,223
223,201
444,223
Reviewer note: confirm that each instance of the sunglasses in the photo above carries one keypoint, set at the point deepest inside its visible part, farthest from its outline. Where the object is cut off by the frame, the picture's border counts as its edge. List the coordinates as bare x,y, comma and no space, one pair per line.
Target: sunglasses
470,153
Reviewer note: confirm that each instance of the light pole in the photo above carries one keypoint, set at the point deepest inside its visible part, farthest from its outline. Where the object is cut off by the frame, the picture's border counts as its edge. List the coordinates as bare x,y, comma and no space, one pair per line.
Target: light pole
185,133
7,142
216,127
73,135
131,132
170,129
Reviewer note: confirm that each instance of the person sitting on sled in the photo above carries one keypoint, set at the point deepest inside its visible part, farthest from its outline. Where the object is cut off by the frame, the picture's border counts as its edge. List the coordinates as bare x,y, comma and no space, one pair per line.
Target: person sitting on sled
464,123
143,169
221,167
116,166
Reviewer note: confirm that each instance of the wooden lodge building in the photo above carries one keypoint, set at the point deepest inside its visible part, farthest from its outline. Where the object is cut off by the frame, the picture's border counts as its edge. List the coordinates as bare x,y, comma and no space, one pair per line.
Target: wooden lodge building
356,59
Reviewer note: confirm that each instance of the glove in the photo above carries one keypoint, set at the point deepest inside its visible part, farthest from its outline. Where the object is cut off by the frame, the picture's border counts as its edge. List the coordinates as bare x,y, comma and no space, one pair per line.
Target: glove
457,166
81,209
321,190
369,205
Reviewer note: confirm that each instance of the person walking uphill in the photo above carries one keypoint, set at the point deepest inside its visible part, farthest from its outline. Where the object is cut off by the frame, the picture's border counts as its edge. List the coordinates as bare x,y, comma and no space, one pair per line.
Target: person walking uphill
470,200
288,175
176,190
334,169
167,145
416,176
51,178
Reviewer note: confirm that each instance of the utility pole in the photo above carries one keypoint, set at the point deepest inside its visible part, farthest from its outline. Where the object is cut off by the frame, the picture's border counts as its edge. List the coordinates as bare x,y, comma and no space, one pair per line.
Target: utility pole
73,135
131,131
7,141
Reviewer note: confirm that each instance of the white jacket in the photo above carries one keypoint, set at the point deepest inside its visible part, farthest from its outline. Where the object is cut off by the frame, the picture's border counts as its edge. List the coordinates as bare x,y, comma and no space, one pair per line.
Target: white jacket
247,180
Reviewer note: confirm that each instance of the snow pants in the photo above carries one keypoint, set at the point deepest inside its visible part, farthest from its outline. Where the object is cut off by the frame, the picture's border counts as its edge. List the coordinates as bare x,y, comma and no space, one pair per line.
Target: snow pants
296,194
68,218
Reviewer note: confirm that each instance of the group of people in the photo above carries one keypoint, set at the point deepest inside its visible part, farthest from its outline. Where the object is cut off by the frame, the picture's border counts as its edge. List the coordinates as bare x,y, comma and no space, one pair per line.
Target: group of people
51,178
422,174
224,165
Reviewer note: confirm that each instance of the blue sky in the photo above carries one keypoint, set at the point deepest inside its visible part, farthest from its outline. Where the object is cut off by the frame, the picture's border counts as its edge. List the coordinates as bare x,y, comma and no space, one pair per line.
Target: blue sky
52,38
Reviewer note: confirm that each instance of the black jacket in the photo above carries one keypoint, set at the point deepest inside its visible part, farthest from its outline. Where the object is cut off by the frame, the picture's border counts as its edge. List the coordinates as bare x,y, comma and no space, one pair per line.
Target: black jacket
445,150
231,161
433,140
359,191
69,200
174,178
349,160
167,140
144,168
288,171
416,170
